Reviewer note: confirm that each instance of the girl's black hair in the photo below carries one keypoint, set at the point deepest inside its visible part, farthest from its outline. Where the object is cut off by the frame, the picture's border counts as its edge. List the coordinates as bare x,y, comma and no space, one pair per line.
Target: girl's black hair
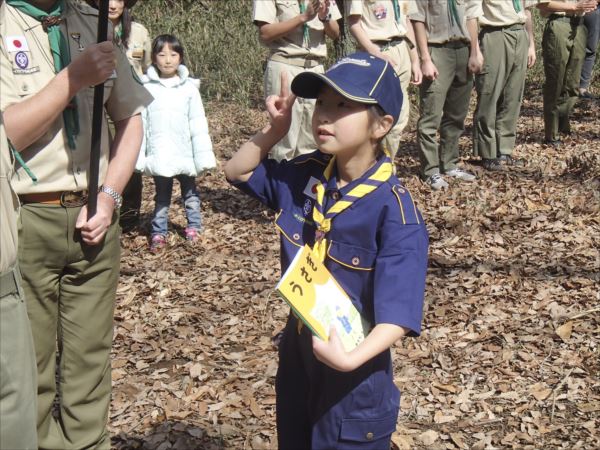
126,20
167,39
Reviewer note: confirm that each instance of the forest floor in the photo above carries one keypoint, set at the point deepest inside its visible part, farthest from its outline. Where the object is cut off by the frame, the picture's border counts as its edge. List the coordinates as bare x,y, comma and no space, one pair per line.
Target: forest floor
509,356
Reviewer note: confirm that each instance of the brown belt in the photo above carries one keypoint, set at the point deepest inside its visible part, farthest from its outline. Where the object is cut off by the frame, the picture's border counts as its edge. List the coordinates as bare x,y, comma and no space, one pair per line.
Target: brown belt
306,63
68,199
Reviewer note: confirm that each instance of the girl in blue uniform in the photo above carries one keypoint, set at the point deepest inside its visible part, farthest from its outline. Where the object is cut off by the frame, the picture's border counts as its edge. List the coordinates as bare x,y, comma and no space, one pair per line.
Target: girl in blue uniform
345,202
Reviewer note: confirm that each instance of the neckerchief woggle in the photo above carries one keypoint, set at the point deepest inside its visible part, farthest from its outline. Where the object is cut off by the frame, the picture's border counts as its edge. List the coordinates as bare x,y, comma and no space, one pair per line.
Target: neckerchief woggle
323,219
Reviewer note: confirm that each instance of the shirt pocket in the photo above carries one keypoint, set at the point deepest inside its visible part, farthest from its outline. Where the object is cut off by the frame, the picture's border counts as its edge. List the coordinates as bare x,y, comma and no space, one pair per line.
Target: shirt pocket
351,256
294,227
371,433
287,9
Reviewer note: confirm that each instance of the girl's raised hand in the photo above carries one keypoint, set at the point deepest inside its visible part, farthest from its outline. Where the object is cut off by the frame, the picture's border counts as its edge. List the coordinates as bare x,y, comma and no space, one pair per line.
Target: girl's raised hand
279,107
332,352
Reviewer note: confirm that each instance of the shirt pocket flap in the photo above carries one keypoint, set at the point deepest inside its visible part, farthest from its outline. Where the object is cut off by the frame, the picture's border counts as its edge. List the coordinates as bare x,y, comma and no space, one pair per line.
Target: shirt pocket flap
367,430
292,228
351,256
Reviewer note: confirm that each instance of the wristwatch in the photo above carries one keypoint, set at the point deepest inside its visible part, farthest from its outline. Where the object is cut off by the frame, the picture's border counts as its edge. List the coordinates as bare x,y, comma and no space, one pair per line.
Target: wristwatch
117,198
327,18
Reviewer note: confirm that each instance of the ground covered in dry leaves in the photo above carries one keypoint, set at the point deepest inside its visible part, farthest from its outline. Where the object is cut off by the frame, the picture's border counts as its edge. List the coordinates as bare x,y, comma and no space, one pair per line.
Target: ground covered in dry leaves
509,355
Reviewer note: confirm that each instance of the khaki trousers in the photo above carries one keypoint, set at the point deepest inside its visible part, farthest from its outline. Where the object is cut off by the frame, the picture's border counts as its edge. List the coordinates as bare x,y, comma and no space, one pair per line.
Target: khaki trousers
70,292
299,139
17,368
400,54
499,90
563,49
444,105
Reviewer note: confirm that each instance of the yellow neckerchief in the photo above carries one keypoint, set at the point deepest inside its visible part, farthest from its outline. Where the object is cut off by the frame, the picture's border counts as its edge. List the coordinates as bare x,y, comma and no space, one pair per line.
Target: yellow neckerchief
323,218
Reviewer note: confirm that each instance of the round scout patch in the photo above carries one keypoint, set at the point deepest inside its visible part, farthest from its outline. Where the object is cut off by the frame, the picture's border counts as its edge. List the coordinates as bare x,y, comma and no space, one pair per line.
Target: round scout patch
21,60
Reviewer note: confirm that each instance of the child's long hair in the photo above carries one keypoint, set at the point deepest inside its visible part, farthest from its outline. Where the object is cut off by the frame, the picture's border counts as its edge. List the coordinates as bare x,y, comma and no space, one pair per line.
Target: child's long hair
166,39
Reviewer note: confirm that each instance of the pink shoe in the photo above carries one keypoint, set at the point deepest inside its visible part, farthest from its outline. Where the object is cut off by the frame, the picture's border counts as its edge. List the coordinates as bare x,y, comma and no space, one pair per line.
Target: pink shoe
192,234
158,242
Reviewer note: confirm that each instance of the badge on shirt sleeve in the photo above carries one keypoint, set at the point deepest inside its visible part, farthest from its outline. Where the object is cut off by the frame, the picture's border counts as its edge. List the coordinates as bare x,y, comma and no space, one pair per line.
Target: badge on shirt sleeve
380,12
16,44
311,188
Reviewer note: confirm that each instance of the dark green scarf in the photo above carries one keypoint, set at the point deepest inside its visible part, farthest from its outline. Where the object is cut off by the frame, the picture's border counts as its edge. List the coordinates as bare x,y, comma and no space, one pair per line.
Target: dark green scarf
453,11
60,52
517,5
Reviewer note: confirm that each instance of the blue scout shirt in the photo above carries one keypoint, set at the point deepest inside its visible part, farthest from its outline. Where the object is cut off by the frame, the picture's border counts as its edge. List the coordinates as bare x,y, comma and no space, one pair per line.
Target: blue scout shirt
377,248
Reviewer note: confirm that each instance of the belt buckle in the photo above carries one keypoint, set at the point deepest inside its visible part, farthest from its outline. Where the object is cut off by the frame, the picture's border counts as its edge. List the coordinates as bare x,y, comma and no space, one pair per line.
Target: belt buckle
72,199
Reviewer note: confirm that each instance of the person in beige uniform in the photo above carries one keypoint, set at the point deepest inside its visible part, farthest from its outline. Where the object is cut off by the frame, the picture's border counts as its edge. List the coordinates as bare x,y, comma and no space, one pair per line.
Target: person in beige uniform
17,357
294,31
443,42
502,48
48,62
383,28
563,49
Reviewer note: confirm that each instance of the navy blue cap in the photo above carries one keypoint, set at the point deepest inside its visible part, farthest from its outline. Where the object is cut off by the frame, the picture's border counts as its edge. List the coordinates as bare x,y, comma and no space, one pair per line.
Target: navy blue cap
360,77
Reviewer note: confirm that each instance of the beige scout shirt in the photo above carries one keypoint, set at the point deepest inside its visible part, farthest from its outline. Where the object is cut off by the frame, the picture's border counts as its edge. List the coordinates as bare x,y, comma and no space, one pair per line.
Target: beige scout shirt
561,13
292,44
9,205
498,13
378,19
26,67
139,49
439,22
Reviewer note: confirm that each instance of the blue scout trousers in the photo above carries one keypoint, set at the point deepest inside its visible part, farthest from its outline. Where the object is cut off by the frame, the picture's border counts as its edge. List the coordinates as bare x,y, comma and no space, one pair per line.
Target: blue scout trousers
70,294
17,368
321,408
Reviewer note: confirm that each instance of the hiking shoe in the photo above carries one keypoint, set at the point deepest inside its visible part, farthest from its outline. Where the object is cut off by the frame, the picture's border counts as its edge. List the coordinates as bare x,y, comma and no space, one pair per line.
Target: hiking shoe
192,234
460,174
554,143
491,164
584,93
158,242
436,182
508,160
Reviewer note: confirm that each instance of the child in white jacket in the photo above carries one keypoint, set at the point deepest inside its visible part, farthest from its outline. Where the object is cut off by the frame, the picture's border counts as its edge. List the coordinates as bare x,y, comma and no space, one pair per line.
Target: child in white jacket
176,141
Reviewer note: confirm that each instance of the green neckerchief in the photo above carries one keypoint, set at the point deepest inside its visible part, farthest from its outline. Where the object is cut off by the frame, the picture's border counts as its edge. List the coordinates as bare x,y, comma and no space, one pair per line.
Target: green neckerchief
323,219
517,5
19,159
397,14
305,32
453,12
60,52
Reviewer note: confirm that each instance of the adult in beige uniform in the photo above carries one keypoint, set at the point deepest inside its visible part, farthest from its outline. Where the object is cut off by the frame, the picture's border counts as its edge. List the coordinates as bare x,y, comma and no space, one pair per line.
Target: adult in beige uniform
17,357
499,57
383,28
443,42
70,264
563,49
294,32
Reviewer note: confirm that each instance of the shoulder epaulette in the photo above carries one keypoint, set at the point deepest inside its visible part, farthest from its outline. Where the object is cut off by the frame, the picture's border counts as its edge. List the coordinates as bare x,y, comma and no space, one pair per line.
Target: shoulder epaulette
84,8
408,210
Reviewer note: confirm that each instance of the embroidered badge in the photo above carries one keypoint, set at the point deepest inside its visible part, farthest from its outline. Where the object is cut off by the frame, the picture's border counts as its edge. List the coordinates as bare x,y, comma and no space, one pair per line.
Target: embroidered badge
21,60
77,38
308,206
311,188
16,44
380,12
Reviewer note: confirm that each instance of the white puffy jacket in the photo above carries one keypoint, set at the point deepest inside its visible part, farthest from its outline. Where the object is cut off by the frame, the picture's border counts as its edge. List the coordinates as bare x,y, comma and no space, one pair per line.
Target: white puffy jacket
176,140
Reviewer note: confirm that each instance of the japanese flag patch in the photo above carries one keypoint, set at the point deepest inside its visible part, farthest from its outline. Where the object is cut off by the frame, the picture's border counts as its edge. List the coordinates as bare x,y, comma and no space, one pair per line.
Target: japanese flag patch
16,44
311,188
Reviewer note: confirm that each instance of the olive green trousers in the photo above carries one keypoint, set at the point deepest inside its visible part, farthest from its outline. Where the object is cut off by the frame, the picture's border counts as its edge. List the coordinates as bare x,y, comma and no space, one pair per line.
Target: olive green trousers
70,293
